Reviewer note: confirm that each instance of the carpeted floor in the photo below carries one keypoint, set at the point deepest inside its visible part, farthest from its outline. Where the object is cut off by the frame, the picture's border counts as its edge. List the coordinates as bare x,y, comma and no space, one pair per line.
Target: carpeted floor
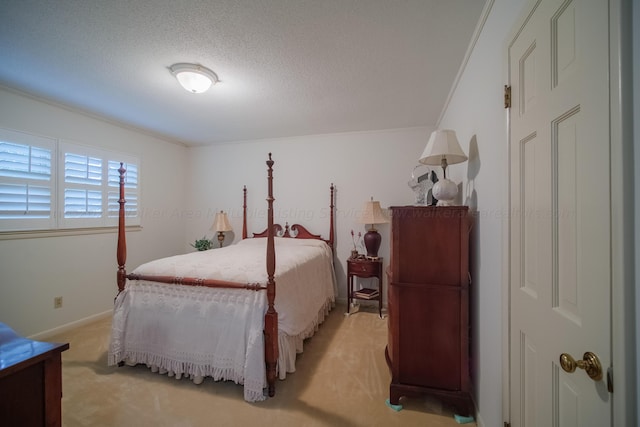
341,380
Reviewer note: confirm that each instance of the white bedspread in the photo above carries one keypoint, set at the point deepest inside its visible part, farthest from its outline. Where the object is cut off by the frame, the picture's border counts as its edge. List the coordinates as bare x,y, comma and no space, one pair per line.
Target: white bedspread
198,331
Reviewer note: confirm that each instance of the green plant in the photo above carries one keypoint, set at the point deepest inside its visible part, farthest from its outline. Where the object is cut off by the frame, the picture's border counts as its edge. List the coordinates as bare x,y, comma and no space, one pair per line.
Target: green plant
202,244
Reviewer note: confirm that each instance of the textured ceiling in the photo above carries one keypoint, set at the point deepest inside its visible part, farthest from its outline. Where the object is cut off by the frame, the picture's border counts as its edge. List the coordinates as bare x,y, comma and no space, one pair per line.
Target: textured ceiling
287,67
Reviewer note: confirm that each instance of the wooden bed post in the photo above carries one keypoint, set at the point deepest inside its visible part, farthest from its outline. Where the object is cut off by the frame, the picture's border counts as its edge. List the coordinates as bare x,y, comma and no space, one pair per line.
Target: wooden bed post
244,212
122,242
271,317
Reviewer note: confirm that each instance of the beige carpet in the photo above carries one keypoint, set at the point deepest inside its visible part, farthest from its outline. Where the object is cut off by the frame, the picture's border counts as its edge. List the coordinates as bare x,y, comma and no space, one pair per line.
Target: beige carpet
341,380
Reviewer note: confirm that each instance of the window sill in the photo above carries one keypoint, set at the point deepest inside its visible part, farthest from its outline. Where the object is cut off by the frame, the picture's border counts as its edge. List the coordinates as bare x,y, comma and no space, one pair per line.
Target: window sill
35,234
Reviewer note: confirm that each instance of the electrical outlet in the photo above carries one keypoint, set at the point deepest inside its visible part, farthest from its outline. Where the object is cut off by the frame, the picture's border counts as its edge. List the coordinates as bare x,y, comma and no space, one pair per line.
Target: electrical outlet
57,302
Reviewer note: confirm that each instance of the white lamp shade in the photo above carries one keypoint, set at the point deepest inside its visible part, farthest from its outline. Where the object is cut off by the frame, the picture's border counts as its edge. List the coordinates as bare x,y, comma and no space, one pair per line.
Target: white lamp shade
442,143
372,213
221,222
194,78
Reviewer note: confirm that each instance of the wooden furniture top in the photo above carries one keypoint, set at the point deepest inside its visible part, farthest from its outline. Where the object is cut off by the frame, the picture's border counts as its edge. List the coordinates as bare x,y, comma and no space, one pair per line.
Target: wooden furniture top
17,352
410,211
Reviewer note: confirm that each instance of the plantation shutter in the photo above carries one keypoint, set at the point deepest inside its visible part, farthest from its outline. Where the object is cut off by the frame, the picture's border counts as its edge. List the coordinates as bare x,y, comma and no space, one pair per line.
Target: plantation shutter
26,184
82,186
48,184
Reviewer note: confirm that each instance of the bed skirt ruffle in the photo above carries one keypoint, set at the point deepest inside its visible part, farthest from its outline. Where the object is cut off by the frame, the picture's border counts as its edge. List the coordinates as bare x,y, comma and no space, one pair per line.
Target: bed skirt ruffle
224,338
289,346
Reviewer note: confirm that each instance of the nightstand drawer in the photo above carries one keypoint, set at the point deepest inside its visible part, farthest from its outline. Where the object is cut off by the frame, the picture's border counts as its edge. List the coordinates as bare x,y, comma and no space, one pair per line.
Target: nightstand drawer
364,268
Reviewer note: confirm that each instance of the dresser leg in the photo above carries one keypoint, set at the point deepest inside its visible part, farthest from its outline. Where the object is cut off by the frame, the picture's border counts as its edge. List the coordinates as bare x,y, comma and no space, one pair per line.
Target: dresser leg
394,395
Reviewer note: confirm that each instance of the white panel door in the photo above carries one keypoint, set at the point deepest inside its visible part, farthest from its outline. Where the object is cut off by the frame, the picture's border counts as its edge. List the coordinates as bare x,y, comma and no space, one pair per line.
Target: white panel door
560,217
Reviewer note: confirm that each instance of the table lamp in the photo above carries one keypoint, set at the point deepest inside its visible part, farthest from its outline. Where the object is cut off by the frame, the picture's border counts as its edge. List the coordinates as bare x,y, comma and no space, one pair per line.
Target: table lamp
221,224
372,214
443,149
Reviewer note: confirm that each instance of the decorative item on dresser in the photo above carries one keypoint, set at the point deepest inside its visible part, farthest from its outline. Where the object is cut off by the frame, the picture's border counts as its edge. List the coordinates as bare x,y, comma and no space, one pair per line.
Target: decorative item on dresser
421,185
364,268
428,304
443,149
30,380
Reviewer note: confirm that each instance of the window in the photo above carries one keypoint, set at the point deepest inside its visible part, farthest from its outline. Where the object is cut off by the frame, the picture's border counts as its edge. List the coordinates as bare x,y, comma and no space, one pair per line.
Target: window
47,184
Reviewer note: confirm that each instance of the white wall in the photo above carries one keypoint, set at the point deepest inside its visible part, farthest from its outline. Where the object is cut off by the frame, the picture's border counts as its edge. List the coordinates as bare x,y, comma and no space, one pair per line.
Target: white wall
361,165
82,268
476,112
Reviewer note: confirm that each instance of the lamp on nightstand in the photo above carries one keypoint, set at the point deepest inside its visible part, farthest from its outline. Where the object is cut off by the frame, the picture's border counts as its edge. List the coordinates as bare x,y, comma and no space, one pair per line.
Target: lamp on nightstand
221,224
372,214
443,149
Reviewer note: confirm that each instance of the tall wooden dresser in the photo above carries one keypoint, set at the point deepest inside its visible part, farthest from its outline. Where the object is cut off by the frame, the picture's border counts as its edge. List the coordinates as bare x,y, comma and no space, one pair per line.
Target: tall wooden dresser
428,304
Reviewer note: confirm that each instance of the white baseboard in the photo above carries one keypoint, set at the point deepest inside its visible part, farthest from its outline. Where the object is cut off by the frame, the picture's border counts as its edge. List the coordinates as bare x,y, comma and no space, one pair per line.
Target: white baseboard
41,336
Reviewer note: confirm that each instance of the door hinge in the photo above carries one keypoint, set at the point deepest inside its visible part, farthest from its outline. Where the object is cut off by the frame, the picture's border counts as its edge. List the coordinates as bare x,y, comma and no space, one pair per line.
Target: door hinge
507,96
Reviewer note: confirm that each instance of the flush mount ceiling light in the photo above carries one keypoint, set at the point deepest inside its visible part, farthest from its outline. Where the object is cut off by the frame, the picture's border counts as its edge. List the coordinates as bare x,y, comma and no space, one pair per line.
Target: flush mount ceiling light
193,77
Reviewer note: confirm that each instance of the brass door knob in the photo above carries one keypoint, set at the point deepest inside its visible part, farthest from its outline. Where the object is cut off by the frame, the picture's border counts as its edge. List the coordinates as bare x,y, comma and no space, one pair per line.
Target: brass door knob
590,363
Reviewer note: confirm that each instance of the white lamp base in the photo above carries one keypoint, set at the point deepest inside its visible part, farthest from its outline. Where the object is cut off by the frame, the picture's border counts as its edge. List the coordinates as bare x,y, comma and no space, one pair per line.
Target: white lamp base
445,191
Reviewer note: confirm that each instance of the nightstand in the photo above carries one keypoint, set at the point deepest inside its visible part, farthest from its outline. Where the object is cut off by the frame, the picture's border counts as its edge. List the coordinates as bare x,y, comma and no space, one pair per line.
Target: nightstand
364,268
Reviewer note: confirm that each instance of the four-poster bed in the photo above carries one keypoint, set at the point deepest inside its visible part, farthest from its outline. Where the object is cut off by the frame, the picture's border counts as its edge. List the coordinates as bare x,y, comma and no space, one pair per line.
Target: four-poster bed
206,314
